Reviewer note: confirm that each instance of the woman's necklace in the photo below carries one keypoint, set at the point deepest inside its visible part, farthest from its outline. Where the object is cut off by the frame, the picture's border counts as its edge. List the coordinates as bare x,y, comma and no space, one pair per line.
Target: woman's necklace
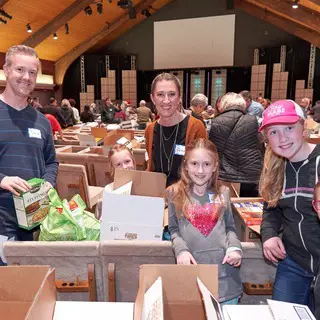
163,149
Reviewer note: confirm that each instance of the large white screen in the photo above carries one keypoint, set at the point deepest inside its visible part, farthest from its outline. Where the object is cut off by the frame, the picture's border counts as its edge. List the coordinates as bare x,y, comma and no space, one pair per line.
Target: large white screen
190,43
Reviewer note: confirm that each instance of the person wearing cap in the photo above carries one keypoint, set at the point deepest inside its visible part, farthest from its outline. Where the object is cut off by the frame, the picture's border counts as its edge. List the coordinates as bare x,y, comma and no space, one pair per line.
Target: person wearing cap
290,170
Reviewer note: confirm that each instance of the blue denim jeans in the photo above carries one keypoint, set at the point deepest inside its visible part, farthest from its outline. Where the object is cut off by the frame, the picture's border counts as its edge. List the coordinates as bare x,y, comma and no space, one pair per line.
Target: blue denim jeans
292,284
232,301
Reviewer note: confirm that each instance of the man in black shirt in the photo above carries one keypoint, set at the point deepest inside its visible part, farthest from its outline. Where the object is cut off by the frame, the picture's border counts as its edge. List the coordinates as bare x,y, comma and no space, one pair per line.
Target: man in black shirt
108,112
53,109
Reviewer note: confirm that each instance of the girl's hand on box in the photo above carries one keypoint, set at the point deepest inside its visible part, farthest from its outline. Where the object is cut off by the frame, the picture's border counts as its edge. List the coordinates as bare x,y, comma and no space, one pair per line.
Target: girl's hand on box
233,258
186,258
14,184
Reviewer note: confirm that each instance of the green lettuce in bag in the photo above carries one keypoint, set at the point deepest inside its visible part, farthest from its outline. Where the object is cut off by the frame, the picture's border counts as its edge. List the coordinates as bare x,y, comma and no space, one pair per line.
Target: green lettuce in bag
68,221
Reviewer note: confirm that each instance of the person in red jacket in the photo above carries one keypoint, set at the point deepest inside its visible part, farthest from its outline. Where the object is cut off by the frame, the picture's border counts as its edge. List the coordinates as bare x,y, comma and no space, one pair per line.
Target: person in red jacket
55,126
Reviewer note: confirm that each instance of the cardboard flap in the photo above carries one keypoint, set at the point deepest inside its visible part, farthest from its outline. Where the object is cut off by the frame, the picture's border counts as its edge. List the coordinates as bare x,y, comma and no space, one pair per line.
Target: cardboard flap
99,132
112,137
28,278
180,279
27,292
181,295
145,183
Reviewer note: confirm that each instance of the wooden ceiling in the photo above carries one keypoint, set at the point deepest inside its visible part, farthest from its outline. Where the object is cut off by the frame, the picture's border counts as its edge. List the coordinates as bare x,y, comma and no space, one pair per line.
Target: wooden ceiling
95,31
47,17
303,22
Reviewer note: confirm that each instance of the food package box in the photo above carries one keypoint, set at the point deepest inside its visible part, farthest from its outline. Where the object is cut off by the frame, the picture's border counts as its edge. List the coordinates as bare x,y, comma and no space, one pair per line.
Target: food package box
32,206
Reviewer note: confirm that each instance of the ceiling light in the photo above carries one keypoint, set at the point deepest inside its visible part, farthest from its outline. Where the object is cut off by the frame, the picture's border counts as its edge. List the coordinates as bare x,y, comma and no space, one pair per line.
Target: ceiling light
5,14
99,8
295,4
67,28
55,37
2,21
29,28
88,11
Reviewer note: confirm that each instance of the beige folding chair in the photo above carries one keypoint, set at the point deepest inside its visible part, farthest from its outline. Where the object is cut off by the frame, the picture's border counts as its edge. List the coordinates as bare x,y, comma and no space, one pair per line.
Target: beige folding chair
76,158
72,179
99,170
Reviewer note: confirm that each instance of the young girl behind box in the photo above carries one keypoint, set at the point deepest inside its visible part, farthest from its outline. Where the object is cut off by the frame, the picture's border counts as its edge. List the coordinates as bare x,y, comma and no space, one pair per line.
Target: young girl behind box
120,157
200,219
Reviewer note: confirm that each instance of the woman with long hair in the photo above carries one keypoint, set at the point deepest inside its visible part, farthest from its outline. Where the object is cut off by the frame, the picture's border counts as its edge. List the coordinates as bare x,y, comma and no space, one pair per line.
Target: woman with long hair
167,137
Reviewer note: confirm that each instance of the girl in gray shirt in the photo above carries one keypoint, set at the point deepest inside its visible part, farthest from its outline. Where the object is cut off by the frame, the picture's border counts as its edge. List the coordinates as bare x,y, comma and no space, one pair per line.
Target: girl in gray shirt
200,219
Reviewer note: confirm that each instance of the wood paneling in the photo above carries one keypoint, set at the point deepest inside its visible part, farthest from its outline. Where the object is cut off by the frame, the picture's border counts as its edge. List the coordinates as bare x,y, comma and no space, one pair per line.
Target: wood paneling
277,20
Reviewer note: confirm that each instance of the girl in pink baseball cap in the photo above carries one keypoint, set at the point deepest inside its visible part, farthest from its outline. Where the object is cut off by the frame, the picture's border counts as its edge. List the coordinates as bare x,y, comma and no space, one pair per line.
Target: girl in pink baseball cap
289,174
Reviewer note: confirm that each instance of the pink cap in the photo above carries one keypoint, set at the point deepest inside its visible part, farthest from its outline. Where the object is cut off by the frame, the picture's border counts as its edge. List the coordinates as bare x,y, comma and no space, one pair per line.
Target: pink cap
281,111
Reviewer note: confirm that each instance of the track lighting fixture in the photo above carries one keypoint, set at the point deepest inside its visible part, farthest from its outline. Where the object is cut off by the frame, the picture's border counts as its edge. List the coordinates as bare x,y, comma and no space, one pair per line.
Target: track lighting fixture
146,13
295,4
67,28
5,14
2,21
99,7
29,28
88,11
55,37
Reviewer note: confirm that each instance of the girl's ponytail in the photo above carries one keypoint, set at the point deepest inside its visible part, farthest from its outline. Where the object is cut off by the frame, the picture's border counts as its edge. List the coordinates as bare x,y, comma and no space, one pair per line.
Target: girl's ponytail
272,177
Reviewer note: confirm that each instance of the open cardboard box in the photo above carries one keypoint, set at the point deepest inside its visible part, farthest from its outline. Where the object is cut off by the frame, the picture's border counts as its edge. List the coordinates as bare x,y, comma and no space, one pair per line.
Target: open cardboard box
27,292
138,215
99,132
181,296
246,232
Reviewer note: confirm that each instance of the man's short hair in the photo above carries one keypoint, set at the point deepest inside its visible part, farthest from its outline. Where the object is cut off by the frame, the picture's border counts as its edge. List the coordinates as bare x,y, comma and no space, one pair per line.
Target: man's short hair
232,99
20,49
72,102
246,95
52,100
199,100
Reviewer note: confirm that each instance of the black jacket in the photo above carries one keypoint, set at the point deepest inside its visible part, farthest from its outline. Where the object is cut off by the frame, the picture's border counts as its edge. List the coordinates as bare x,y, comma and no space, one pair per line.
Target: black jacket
236,137
317,295
56,112
68,115
108,113
86,116
294,212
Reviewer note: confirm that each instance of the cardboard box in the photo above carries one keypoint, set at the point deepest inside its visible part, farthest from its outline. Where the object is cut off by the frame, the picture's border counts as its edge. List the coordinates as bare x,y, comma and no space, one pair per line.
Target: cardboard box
138,216
181,296
89,140
247,214
112,137
27,292
32,206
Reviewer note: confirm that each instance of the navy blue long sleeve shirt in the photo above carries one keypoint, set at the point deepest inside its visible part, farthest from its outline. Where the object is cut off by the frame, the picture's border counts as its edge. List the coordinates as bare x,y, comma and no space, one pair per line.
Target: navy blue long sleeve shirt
27,151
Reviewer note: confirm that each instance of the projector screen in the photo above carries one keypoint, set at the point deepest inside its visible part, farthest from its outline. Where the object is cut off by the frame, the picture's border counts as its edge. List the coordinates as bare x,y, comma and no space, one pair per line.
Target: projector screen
194,43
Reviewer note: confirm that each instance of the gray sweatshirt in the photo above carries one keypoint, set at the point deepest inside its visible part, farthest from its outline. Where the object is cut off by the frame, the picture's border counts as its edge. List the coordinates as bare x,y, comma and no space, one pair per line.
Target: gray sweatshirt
207,236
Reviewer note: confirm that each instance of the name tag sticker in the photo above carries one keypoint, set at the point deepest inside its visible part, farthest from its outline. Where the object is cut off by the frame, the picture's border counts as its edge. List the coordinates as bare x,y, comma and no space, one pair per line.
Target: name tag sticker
34,133
179,150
